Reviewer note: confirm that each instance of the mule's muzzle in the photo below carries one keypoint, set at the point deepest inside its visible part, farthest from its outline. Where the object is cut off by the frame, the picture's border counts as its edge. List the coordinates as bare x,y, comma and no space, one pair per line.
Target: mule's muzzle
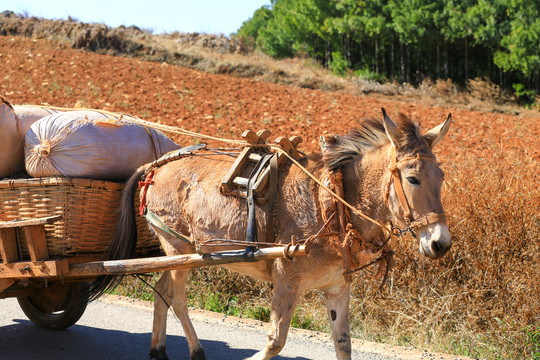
435,240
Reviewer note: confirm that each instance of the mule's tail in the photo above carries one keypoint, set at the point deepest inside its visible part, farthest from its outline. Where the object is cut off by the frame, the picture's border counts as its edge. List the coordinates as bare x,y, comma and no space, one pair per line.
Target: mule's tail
124,240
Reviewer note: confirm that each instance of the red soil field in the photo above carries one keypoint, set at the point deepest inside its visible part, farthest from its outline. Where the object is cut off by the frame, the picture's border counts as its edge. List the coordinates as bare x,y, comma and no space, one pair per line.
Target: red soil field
35,71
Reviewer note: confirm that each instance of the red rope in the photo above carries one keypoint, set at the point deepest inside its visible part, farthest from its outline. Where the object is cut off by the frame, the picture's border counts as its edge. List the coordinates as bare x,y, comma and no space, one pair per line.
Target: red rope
148,180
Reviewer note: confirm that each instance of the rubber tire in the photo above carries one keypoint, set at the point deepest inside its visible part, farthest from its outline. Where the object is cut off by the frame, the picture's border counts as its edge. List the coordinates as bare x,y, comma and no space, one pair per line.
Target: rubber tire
75,305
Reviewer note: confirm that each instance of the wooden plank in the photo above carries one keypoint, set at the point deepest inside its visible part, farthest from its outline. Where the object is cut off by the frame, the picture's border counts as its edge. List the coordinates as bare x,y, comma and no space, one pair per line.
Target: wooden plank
247,154
254,157
84,258
289,145
235,170
8,245
5,283
250,136
37,242
162,263
241,181
30,222
16,293
41,269
263,135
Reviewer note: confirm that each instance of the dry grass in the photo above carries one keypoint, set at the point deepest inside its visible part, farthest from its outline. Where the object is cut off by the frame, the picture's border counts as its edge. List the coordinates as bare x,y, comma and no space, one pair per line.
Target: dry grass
483,298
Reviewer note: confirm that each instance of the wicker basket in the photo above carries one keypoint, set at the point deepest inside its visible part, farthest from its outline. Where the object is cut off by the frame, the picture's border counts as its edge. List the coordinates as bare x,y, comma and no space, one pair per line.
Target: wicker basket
89,210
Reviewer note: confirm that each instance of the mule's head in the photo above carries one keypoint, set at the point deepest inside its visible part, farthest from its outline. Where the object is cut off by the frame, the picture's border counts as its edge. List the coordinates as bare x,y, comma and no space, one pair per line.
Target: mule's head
417,205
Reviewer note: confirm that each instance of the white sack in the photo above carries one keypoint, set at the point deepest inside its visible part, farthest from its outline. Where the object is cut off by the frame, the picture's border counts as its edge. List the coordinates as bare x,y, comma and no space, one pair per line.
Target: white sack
14,123
29,114
92,145
11,141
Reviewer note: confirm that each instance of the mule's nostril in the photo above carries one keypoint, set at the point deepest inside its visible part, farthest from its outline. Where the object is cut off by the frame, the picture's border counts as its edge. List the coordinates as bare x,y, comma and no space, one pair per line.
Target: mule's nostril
435,247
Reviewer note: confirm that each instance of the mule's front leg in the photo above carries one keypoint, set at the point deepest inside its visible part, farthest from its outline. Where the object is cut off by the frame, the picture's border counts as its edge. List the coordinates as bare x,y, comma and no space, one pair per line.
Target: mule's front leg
283,306
337,302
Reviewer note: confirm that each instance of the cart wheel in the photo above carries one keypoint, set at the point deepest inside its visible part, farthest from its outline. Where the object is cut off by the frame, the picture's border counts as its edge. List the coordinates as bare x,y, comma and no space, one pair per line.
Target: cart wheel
57,306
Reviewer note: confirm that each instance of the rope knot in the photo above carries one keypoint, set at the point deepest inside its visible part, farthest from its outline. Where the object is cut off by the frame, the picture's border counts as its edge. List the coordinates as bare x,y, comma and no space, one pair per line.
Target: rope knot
148,180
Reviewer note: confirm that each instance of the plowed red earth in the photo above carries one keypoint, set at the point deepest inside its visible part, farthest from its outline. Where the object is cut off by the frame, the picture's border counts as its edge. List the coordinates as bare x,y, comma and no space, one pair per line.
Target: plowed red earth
38,71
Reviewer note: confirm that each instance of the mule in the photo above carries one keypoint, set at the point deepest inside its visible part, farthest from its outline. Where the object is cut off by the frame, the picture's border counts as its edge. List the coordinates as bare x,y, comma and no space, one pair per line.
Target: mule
185,196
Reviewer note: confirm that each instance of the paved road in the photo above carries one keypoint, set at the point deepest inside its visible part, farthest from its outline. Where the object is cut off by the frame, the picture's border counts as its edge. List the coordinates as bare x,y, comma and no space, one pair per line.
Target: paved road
112,329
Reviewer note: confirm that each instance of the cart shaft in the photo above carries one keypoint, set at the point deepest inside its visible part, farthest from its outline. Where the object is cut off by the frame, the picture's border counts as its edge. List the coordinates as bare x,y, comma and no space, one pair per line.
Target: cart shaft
162,263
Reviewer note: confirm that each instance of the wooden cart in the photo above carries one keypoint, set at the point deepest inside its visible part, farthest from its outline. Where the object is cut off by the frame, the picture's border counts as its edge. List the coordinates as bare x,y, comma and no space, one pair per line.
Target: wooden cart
53,233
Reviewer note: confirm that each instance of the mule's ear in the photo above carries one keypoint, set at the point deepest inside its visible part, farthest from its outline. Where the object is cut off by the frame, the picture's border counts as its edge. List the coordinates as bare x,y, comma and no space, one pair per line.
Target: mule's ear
436,134
390,128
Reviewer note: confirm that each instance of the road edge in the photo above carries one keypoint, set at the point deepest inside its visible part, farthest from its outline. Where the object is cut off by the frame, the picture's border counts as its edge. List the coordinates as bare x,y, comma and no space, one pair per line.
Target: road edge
398,352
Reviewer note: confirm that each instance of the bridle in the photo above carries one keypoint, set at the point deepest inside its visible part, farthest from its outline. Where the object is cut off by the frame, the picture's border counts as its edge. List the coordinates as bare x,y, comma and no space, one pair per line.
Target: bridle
412,223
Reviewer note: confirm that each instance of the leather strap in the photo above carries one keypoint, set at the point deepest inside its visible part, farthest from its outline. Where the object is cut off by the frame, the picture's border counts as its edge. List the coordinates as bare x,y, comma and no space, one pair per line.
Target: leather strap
272,198
156,221
398,185
428,219
251,233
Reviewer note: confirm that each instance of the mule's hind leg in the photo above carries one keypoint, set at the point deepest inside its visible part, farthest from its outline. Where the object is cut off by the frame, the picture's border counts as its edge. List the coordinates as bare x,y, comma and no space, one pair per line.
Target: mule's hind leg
283,306
337,302
172,287
159,331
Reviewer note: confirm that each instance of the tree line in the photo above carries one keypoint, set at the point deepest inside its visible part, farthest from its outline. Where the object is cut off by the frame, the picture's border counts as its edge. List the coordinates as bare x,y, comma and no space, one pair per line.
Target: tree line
408,40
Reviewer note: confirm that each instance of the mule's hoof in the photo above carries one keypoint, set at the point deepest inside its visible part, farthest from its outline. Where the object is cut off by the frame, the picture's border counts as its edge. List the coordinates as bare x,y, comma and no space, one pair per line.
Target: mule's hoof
158,354
198,354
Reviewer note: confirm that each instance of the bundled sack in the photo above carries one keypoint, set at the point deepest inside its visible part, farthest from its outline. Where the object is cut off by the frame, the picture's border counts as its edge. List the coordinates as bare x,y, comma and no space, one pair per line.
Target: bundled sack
14,122
29,114
92,145
11,140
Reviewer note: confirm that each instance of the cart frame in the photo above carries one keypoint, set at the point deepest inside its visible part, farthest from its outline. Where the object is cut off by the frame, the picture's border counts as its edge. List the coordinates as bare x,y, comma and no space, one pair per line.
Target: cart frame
49,290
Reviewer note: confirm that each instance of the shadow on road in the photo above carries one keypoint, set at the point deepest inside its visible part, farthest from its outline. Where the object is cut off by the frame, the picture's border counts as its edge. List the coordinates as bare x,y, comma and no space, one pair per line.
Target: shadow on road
25,341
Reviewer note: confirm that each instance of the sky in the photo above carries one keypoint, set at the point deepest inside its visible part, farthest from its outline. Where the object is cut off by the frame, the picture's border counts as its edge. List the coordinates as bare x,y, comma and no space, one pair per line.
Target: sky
204,16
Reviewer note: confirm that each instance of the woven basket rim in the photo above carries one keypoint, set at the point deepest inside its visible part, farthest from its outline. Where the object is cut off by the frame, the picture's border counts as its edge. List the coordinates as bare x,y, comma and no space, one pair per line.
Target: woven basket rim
60,180
88,207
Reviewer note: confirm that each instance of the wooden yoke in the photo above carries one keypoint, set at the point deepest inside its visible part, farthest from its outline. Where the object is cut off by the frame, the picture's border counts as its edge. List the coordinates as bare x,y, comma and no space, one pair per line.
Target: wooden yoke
289,145
248,155
236,180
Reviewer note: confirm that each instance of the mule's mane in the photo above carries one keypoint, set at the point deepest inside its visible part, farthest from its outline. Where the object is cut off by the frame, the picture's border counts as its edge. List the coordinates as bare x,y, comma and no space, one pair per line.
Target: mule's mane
368,137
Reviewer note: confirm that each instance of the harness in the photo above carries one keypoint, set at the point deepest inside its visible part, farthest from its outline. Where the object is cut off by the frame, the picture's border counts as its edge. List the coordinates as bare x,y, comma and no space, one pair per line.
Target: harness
267,162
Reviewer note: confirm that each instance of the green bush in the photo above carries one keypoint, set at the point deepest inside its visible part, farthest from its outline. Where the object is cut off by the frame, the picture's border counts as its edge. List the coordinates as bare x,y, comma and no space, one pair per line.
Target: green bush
367,74
338,64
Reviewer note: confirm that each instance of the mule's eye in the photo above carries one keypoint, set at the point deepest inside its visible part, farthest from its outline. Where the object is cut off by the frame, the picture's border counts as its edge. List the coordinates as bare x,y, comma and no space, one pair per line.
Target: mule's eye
413,180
